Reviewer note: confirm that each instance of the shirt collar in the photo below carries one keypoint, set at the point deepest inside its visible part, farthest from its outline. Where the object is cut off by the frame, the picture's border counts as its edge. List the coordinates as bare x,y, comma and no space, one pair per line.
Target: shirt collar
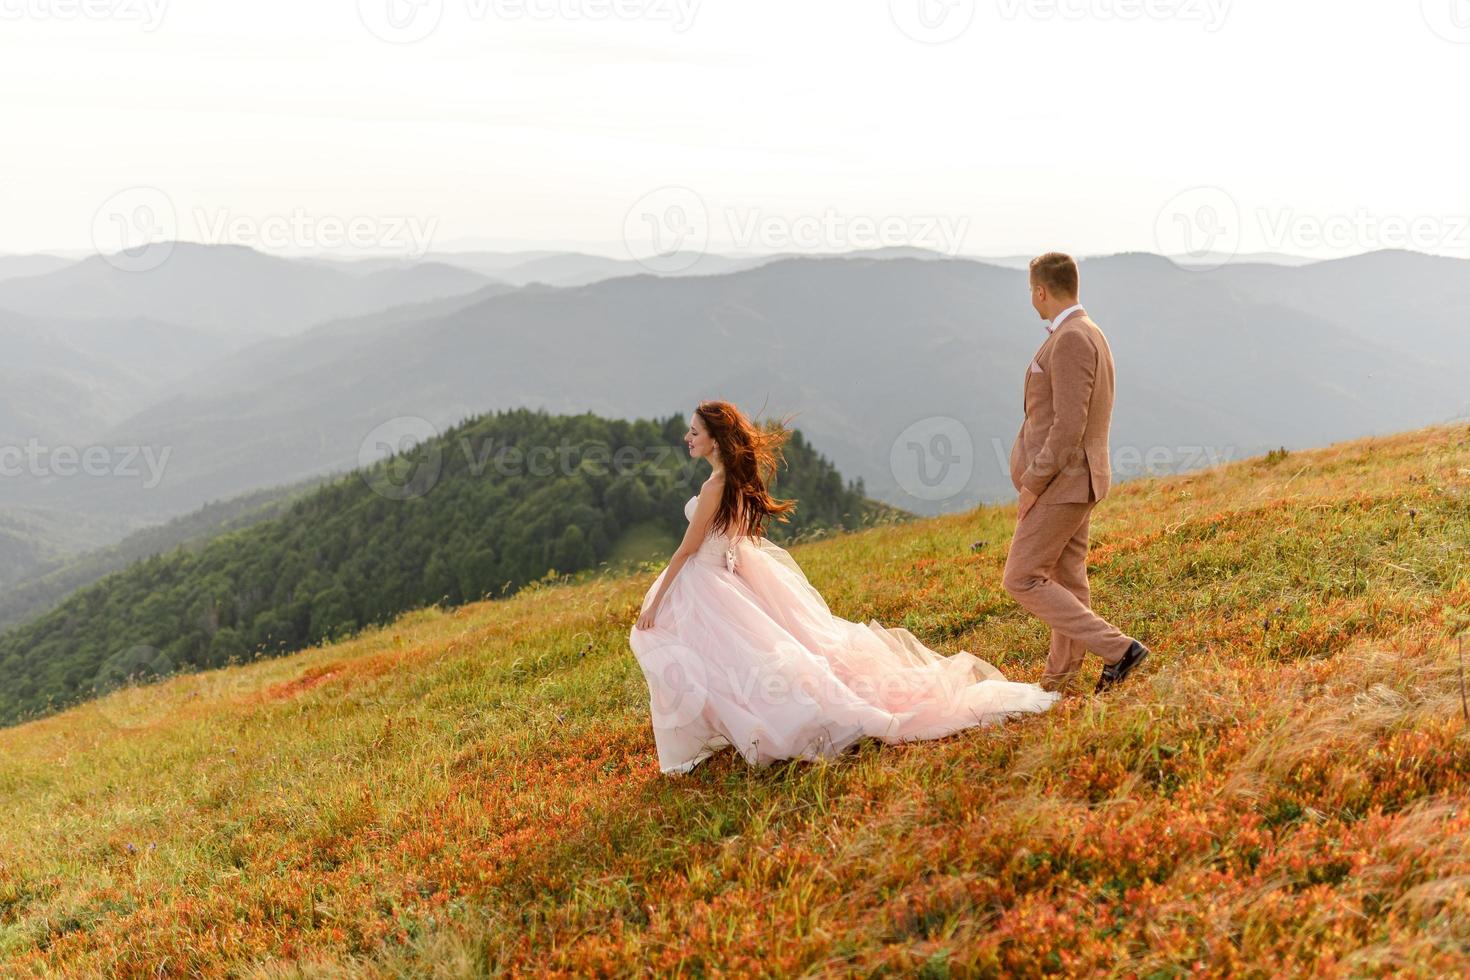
1056,321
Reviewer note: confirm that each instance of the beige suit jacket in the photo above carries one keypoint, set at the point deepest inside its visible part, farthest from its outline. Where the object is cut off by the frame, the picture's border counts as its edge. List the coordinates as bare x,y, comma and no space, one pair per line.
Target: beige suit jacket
1061,452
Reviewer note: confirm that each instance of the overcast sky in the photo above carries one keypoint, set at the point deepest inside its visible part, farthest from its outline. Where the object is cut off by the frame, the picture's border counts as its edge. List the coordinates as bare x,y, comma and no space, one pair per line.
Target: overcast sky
988,128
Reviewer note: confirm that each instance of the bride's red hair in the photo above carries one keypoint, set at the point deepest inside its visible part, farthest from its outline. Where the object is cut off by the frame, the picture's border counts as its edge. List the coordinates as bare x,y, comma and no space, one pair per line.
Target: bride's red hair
751,455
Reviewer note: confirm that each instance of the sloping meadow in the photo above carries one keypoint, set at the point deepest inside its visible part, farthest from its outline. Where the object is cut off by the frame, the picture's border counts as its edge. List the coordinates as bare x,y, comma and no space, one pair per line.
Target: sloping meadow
1280,790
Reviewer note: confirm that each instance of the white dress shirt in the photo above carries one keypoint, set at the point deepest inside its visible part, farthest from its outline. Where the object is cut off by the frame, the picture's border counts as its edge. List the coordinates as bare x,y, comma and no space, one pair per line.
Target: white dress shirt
1056,321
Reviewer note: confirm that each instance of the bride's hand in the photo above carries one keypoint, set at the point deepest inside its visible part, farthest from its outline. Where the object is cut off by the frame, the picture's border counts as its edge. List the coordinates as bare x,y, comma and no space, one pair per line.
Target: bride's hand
645,621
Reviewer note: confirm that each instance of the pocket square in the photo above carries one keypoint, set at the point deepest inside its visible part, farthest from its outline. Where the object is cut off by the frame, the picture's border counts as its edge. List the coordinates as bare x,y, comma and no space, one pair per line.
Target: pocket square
1036,368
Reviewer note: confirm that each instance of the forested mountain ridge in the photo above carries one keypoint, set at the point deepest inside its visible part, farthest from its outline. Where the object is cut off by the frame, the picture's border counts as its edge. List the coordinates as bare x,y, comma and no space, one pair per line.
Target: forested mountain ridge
477,511
48,585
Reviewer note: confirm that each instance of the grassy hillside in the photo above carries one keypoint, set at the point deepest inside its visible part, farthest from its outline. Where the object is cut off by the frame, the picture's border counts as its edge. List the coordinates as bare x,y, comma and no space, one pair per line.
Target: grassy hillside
1281,789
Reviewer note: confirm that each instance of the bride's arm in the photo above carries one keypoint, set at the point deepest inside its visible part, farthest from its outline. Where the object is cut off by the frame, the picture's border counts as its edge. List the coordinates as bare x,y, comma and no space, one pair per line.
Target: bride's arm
704,514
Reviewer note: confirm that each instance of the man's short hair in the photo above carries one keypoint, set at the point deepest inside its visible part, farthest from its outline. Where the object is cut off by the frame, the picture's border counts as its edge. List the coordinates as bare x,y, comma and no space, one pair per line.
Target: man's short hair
1057,271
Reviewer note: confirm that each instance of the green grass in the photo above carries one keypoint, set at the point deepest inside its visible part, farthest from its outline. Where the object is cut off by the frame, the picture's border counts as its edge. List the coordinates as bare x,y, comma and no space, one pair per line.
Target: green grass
642,542
475,790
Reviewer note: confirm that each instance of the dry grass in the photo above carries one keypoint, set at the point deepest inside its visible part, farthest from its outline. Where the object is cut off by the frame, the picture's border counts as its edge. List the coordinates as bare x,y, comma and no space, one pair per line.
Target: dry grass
475,790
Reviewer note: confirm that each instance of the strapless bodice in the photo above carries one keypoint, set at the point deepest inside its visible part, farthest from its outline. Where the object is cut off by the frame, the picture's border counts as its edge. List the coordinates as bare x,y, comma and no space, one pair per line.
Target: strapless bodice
716,548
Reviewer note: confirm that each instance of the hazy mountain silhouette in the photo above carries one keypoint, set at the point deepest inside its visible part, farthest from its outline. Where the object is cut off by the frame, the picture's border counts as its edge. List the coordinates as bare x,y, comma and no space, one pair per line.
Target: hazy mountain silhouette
317,349
66,380
1213,260
1406,300
15,266
1208,363
552,268
34,539
228,289
581,268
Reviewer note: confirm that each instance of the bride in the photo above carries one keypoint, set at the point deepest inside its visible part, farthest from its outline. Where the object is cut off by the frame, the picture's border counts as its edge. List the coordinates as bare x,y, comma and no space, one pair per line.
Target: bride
739,649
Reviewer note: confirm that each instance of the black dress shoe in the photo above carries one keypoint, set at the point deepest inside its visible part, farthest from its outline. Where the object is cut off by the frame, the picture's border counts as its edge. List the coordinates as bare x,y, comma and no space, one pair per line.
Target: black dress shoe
1113,673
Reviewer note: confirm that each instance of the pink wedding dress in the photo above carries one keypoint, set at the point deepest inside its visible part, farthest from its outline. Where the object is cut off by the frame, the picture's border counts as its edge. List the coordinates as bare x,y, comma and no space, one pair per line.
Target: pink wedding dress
745,653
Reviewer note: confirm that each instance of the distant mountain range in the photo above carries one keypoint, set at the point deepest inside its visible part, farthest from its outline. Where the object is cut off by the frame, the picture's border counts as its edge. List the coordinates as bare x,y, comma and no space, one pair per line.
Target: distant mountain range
14,266
229,290
1212,364
574,268
64,380
1232,361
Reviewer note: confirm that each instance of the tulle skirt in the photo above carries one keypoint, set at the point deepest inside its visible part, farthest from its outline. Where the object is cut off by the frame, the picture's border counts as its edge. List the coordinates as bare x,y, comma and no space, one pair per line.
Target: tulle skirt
752,658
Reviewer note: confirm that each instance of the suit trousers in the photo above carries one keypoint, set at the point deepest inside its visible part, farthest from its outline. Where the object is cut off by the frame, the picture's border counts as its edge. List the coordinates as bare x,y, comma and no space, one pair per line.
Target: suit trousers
1046,573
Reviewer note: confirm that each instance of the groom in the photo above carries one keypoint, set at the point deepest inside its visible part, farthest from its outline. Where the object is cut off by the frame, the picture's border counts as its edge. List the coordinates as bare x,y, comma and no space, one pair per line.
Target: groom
1060,467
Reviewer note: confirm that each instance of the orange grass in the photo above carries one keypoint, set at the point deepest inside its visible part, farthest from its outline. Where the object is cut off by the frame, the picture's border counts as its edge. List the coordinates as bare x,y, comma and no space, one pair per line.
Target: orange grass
1282,790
